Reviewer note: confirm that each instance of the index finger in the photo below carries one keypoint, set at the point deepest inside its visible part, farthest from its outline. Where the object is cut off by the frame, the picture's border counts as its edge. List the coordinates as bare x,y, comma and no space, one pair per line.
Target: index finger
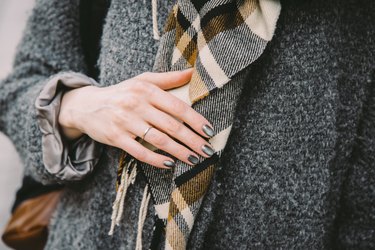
167,80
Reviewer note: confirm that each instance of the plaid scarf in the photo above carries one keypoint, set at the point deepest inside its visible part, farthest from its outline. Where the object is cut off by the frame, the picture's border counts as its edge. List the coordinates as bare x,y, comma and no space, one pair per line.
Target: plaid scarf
218,38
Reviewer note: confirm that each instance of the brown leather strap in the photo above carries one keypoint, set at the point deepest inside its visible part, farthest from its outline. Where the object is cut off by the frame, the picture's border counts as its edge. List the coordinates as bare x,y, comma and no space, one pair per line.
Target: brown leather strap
28,226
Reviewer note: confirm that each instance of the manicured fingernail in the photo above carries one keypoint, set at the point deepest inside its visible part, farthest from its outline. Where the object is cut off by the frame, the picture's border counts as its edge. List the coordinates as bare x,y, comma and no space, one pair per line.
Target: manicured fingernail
169,164
193,159
208,150
208,130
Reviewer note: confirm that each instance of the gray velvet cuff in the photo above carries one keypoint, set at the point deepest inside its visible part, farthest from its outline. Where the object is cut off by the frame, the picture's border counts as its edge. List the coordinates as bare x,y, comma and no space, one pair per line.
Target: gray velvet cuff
66,160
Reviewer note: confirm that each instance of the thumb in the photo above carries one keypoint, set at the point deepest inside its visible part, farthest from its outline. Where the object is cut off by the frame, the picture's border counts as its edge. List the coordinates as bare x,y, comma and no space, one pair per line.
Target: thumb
167,80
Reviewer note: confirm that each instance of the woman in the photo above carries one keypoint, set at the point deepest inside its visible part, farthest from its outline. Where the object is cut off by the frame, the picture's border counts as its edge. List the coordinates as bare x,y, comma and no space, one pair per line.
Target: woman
297,171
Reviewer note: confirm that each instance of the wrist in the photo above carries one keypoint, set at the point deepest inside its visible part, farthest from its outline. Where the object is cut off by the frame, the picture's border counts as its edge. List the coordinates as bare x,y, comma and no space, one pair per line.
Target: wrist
69,119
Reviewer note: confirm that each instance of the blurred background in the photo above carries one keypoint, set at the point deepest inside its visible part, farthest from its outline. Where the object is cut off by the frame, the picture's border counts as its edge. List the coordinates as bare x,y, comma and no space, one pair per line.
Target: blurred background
13,16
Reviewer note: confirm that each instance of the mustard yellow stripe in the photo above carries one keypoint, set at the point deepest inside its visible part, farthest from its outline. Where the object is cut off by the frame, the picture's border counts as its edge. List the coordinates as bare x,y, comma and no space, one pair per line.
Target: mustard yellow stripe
174,237
198,89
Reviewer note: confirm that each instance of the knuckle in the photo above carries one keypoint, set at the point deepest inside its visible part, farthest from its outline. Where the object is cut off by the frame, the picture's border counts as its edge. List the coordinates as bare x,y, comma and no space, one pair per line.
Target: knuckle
195,141
140,154
116,118
111,135
143,88
179,106
159,141
146,74
173,126
130,102
141,85
182,152
156,160
136,86
152,91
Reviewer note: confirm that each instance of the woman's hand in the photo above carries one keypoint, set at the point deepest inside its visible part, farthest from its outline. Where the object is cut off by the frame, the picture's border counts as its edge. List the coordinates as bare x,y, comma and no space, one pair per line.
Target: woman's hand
117,114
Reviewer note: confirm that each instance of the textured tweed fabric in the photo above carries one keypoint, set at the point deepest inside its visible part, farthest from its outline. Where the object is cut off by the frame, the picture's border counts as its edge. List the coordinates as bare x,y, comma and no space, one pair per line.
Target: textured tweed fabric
298,170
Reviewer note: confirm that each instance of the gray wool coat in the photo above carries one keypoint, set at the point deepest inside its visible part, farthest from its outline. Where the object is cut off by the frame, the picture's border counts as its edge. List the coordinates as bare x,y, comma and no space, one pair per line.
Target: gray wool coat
298,171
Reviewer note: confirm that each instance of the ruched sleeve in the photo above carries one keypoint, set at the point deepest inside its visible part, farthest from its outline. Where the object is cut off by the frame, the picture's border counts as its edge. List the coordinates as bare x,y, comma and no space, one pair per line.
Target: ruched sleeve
51,45
66,160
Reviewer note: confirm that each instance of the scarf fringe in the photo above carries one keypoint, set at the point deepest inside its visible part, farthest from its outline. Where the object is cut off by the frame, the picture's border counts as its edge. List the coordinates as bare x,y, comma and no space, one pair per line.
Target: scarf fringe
128,176
142,217
155,28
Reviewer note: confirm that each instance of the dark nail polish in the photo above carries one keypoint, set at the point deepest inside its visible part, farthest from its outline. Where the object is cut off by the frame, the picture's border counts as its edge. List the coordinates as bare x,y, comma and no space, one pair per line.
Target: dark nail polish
208,150
208,131
193,159
169,164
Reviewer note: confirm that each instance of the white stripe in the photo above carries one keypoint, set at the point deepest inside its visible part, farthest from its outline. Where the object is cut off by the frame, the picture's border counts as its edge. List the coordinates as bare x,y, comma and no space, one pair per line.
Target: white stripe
176,55
263,20
155,28
188,216
197,24
182,93
162,210
219,141
213,69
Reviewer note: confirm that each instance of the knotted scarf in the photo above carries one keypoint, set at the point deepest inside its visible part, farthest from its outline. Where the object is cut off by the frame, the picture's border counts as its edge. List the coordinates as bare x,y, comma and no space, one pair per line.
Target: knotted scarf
218,39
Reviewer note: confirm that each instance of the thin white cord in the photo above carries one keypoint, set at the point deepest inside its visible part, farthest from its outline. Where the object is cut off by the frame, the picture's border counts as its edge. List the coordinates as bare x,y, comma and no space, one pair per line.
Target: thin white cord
142,217
128,182
155,28
118,204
